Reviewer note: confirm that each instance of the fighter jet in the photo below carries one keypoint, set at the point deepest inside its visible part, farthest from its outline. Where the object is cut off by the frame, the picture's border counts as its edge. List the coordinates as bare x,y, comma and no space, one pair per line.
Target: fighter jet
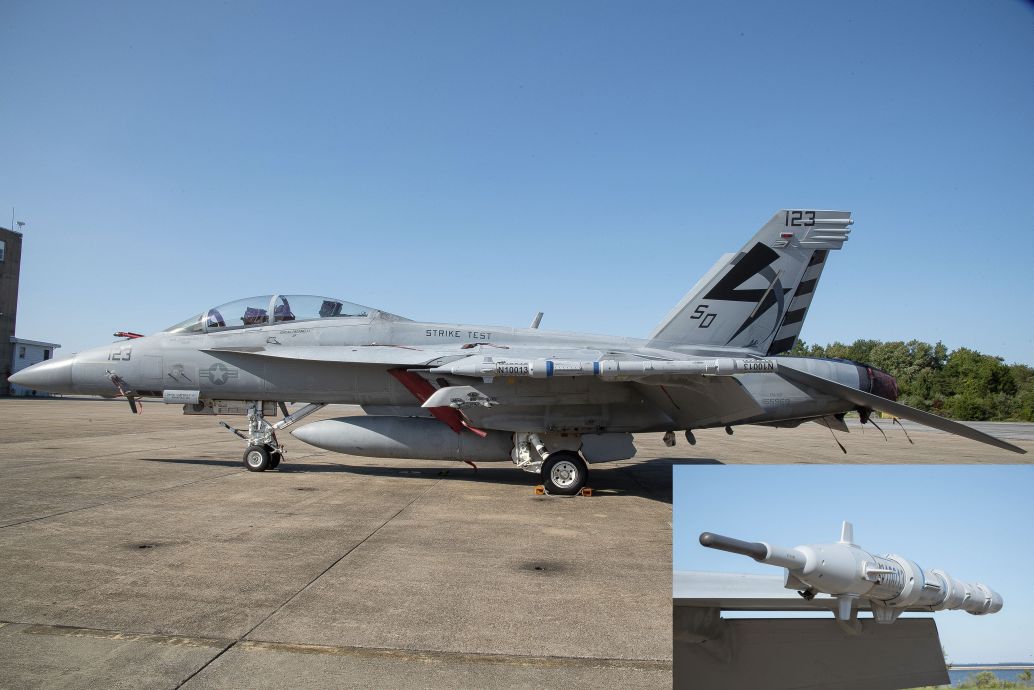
550,402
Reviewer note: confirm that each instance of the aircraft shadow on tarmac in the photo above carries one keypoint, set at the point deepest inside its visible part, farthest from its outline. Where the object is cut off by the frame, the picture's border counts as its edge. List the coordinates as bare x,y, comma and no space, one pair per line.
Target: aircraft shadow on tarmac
649,478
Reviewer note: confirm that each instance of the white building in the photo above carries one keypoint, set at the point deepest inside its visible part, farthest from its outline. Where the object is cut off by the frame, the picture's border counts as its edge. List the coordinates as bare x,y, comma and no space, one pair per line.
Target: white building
25,353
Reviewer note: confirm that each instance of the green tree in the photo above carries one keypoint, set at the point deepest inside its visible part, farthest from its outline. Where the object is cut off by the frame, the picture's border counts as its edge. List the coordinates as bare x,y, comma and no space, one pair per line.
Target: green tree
799,349
1023,405
817,351
963,384
977,386
836,350
984,679
916,366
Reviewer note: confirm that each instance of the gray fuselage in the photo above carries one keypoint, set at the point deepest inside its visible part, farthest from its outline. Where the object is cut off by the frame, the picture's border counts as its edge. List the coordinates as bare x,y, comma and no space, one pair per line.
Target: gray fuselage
200,362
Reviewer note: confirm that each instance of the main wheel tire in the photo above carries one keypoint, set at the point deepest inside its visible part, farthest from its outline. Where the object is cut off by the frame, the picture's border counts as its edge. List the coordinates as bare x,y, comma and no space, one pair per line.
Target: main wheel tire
564,473
257,459
274,459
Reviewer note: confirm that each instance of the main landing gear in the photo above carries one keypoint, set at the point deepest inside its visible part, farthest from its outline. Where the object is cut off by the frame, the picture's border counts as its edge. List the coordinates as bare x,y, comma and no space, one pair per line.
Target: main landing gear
564,473
264,452
560,467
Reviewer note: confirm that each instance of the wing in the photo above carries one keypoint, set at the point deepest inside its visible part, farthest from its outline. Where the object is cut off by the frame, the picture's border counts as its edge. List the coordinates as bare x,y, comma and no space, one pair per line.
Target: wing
675,386
875,402
399,360
671,384
388,355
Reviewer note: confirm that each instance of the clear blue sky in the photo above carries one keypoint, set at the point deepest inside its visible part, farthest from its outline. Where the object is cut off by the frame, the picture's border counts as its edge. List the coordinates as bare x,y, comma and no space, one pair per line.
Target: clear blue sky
476,162
972,521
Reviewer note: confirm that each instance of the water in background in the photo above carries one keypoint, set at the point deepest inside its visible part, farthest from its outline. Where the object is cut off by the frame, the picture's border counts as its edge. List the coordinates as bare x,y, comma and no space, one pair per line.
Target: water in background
959,676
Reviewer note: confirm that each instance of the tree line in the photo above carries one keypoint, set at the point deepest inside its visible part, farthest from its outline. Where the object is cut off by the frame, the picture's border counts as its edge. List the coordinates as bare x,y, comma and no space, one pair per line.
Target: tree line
961,384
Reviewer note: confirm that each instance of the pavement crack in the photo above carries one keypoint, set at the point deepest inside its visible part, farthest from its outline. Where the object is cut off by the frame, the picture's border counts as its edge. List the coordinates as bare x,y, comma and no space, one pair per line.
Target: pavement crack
120,635
408,654
308,584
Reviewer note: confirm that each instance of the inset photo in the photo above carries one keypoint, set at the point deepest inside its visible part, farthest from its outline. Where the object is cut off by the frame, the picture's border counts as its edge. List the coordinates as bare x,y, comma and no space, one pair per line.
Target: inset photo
852,577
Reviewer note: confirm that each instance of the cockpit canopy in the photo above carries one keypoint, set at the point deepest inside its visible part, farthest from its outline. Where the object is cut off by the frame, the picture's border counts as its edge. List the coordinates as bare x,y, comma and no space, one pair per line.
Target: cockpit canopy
267,309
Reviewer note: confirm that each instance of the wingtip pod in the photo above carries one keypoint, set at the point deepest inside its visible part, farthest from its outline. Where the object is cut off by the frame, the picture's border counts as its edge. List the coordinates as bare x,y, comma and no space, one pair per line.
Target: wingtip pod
982,600
975,598
845,571
993,601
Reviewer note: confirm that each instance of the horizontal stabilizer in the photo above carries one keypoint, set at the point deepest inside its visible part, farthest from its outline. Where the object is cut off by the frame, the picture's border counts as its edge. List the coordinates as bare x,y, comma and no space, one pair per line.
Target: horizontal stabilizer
875,402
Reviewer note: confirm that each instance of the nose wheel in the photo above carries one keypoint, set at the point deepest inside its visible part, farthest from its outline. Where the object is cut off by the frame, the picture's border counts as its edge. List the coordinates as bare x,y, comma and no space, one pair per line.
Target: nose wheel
564,473
261,458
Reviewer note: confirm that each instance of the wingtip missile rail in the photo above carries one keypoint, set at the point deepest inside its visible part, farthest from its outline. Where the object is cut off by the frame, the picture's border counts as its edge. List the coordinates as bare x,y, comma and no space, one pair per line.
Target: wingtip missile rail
890,583
488,367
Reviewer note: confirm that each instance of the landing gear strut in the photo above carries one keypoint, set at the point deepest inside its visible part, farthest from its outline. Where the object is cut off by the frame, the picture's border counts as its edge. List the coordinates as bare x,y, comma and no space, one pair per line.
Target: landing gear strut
264,452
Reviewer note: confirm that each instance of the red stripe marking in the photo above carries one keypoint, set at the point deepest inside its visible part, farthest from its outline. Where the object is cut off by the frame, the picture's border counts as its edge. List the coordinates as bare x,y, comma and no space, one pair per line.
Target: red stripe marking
422,389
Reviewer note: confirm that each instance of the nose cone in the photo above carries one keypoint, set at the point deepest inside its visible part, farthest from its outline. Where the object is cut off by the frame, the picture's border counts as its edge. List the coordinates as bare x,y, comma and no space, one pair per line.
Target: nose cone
52,376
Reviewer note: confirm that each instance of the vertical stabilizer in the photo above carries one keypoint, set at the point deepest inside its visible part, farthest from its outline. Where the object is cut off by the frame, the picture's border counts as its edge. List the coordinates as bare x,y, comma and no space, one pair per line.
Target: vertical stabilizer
758,297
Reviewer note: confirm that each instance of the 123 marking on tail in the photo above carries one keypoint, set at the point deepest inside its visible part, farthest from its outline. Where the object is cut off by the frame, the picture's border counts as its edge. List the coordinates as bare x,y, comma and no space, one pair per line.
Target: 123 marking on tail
796,219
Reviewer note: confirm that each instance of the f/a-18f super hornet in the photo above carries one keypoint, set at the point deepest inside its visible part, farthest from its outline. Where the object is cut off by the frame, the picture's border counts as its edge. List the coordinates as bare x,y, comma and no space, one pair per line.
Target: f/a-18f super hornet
548,401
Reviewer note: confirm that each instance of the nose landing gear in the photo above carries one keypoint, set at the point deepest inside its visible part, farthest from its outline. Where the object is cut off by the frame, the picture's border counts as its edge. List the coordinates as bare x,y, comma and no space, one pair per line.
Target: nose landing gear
264,452
262,458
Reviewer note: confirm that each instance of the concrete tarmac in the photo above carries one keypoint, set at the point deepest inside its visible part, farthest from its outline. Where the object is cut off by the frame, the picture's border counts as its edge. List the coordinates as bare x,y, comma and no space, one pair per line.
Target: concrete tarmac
135,551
